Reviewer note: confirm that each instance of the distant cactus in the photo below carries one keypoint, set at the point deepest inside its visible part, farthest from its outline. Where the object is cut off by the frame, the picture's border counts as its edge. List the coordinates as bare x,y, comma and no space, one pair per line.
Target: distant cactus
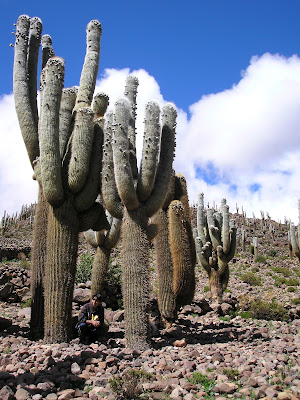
215,240
135,197
175,251
64,147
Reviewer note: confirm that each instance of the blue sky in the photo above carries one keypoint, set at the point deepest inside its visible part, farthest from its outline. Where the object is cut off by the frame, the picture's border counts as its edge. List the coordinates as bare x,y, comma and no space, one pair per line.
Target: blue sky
228,67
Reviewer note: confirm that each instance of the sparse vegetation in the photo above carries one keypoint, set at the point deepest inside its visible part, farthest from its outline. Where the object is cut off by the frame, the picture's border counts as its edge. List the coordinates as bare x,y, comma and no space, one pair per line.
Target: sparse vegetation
261,259
84,268
251,279
128,386
261,309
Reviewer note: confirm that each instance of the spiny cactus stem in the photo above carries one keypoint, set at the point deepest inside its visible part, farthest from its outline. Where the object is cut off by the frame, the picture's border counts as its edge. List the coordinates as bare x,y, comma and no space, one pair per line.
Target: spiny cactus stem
27,121
123,171
150,151
49,132
60,272
91,65
135,253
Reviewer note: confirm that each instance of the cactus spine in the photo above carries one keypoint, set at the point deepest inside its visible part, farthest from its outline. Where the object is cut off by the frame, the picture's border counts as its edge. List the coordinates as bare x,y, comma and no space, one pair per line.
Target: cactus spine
136,202
215,246
52,143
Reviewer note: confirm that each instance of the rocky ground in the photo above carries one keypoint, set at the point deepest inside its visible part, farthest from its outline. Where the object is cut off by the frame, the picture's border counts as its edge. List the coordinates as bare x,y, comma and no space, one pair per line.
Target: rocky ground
237,351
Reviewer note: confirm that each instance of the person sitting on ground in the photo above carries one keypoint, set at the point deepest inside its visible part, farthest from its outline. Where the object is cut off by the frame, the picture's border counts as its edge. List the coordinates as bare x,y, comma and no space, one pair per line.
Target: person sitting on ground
91,321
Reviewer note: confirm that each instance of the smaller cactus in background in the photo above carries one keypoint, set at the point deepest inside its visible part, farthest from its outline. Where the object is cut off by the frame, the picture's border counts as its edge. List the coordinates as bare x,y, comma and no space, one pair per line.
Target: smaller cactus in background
215,239
103,242
294,242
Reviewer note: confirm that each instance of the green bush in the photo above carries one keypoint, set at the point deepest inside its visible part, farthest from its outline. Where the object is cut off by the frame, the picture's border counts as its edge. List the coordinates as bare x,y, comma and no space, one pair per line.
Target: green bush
231,373
251,279
128,386
279,281
272,253
206,289
297,272
295,301
281,270
255,269
291,289
197,378
270,311
292,282
261,259
84,268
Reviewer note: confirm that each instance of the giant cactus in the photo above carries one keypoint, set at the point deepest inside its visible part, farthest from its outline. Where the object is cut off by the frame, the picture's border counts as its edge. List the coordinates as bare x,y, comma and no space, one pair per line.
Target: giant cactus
64,147
136,197
25,82
175,251
215,239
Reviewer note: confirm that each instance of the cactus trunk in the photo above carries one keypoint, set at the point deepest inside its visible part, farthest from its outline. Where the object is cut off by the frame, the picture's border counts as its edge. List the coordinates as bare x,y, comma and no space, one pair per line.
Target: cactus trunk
99,270
62,242
135,253
166,296
38,266
215,286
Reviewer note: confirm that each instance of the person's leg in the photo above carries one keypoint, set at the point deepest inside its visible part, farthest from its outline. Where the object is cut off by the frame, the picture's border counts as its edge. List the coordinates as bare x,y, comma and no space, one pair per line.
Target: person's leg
83,332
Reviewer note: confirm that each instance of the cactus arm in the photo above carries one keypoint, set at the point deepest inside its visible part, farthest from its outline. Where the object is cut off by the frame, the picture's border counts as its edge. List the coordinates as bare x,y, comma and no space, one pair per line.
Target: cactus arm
150,151
225,229
213,230
47,52
27,120
91,65
113,234
47,49
164,170
100,104
110,194
86,197
123,172
91,237
93,218
67,104
203,253
152,231
232,249
130,93
49,131
201,219
32,63
82,140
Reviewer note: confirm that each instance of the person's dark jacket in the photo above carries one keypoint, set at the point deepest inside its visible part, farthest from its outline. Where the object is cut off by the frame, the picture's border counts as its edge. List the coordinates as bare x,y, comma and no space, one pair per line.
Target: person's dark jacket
87,311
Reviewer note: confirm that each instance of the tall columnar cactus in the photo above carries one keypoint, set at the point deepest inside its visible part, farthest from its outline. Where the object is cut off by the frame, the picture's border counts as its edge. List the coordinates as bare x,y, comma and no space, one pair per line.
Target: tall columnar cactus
64,147
135,200
215,239
175,251
25,83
